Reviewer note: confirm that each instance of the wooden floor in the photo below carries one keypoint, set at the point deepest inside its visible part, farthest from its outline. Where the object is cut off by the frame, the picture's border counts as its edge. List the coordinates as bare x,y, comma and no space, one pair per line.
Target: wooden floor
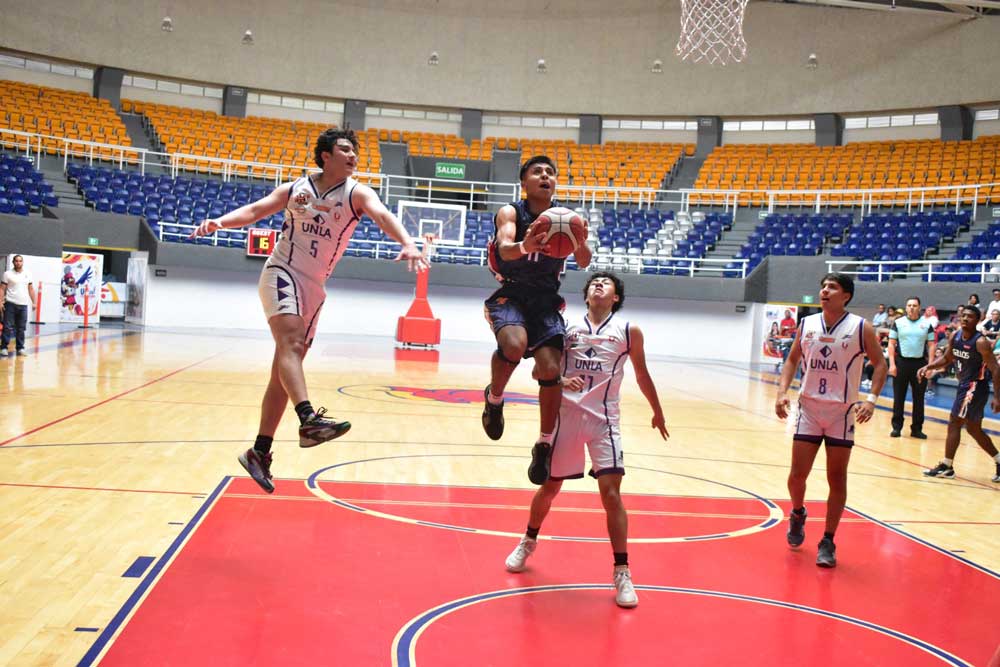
111,440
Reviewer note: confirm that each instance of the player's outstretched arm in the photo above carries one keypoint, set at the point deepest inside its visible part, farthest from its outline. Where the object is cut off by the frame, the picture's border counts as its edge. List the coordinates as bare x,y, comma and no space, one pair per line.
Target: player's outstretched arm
365,200
781,401
873,349
637,355
246,215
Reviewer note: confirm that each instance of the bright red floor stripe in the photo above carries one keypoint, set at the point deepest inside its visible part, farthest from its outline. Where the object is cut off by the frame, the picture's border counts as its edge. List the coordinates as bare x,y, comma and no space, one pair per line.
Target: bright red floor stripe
107,400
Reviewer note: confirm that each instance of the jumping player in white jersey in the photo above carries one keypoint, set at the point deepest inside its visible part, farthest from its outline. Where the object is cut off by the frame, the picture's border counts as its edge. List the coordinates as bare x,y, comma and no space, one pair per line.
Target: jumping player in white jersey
597,347
830,346
321,212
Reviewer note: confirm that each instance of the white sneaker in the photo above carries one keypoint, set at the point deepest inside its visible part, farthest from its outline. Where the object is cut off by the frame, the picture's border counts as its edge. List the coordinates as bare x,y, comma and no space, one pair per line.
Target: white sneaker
515,561
22,353
625,595
4,352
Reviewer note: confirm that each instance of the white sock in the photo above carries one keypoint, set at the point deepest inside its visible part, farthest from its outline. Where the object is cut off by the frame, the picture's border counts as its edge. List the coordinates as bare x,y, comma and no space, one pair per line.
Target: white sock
545,437
997,457
948,462
493,399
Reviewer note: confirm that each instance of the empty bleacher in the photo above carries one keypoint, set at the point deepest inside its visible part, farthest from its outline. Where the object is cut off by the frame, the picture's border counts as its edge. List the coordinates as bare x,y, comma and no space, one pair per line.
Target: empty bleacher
22,187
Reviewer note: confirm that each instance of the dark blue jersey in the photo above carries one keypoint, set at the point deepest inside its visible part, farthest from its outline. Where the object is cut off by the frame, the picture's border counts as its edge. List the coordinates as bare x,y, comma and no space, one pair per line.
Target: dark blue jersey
970,363
532,270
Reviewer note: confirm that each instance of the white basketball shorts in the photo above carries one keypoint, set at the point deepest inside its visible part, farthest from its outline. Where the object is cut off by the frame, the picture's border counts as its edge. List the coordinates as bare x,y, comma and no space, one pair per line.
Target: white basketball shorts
284,293
578,429
825,420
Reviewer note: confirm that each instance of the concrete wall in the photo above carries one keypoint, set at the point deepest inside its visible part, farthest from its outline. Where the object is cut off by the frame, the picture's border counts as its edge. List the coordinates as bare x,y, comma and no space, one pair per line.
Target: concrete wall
868,60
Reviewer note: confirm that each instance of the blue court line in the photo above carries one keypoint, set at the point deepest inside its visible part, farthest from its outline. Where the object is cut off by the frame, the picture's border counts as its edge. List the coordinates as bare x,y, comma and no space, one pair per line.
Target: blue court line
136,569
913,537
86,629
95,650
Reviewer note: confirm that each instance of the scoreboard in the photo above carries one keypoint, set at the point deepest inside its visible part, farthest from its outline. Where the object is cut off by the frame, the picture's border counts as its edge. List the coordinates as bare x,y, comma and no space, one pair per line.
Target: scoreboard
260,242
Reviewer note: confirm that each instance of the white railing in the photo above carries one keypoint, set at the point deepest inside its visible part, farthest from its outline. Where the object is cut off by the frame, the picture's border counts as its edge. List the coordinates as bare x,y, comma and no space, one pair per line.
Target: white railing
493,194
981,268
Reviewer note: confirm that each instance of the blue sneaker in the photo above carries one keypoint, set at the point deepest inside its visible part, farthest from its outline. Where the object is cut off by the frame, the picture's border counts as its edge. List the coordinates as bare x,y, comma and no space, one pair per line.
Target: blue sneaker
796,528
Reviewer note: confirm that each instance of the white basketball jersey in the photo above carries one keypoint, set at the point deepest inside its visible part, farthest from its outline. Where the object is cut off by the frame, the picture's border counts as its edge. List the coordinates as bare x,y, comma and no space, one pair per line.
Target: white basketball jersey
317,229
832,358
597,353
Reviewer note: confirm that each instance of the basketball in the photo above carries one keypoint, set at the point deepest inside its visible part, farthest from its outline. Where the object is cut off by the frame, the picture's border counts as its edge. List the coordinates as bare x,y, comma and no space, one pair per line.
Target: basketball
559,225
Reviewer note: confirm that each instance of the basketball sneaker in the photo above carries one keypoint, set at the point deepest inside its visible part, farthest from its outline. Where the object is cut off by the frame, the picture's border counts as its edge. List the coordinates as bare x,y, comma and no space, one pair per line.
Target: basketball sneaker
492,416
541,455
318,429
515,561
826,556
625,595
22,353
796,528
941,470
259,467
996,477
4,352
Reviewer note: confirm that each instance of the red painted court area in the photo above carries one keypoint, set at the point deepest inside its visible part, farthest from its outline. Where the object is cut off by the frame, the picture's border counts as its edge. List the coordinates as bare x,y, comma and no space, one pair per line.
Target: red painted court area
298,579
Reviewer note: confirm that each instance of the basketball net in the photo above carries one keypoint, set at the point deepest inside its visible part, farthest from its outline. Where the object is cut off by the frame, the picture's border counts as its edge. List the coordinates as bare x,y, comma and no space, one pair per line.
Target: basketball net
428,251
712,30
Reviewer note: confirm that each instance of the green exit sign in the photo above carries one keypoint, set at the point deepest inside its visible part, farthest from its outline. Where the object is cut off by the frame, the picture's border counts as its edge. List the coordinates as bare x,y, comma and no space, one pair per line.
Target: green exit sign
454,170
93,240
808,298
996,212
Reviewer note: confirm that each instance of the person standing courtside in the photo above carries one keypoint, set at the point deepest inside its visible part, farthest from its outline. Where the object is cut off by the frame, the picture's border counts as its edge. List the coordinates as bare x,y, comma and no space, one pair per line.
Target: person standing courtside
911,346
17,293
526,312
830,346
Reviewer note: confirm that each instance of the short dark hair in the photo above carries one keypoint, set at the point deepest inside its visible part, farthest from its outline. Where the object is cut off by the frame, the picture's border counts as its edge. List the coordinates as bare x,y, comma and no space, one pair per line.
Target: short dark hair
328,139
912,298
536,159
845,281
619,288
15,257
973,309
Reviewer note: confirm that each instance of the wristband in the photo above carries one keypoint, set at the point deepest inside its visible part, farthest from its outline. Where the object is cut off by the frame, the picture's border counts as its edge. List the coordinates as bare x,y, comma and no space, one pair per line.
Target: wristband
520,248
872,398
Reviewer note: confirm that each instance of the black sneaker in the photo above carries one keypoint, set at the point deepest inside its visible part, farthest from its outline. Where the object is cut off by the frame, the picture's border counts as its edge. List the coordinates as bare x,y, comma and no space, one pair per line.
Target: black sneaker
492,417
827,553
538,471
919,435
796,528
259,467
318,429
940,470
996,477
894,433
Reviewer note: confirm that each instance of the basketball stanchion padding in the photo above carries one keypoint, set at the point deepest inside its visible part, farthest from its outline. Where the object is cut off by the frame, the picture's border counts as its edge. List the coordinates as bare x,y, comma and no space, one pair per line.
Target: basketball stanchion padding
419,326
38,306
86,311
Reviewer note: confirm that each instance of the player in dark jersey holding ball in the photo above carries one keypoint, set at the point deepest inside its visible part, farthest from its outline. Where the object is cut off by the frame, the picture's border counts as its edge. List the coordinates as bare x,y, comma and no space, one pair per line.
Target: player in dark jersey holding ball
526,312
973,354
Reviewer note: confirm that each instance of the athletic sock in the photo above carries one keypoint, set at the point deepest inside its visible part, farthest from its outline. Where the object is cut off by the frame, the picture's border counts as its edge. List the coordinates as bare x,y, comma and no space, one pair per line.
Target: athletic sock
304,410
621,558
800,511
828,536
996,457
545,437
948,462
262,445
494,400
532,532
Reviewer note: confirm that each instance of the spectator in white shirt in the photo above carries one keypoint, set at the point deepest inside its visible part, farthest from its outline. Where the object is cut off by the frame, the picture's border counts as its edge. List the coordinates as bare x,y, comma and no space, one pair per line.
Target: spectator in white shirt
17,293
880,317
994,304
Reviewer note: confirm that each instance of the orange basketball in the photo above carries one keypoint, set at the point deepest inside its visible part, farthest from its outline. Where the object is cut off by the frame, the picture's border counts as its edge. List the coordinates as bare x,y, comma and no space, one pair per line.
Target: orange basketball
559,225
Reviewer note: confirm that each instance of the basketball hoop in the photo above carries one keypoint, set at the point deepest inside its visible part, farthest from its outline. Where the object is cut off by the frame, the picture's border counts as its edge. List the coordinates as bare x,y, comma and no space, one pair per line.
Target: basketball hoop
712,30
428,251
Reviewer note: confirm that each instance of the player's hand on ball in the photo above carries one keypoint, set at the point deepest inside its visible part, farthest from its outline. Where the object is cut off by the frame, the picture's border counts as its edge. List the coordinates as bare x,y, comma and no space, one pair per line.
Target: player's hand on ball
534,240
206,228
863,411
581,235
781,405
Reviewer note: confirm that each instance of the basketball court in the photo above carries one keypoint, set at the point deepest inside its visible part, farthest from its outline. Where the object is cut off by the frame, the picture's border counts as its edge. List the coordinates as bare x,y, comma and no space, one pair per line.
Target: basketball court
133,537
